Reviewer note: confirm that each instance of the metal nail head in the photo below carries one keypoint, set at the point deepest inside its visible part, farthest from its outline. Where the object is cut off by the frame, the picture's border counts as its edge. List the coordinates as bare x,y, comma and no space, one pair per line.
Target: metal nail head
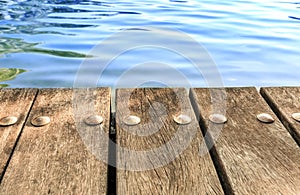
9,120
265,118
182,119
40,121
93,120
217,118
131,120
296,116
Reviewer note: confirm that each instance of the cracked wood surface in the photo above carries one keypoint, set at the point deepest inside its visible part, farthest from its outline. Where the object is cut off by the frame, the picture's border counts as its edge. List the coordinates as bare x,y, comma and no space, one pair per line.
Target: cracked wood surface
13,102
159,156
61,157
253,157
285,101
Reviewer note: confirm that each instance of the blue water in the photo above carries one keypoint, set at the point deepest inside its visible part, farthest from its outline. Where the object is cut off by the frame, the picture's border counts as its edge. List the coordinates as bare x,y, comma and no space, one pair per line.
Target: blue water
252,43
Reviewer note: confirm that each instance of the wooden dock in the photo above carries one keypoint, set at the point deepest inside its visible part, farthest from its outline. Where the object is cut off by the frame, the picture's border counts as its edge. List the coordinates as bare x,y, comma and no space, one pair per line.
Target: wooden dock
157,155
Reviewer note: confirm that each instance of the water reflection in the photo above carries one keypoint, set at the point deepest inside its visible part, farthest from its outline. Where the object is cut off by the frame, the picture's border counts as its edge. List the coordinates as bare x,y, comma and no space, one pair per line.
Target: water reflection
9,74
14,45
262,36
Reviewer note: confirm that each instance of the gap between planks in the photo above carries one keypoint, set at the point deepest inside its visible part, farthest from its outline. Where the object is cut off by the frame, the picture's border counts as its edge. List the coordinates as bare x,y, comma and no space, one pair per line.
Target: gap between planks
155,168
255,157
284,101
22,111
52,158
227,189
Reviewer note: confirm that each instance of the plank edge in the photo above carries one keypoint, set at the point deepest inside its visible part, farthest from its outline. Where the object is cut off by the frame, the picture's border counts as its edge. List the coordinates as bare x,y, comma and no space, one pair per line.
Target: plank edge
218,165
266,96
35,91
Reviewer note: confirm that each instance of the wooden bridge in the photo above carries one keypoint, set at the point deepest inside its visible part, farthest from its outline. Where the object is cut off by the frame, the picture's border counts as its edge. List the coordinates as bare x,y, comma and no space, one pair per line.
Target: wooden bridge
66,155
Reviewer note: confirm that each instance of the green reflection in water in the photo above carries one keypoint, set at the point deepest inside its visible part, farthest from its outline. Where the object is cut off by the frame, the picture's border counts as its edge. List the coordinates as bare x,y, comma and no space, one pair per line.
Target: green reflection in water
14,45
9,74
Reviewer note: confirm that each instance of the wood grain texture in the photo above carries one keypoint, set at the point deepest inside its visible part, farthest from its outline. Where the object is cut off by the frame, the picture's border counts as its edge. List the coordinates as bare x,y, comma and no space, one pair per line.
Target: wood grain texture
13,102
285,101
57,158
149,156
256,158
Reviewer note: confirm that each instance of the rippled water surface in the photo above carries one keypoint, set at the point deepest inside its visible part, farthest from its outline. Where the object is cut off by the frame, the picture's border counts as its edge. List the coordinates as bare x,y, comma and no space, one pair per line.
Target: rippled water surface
253,43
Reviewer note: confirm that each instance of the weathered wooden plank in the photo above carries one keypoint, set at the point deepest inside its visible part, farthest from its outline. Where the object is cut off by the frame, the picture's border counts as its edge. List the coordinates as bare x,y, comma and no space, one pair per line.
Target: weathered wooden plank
149,154
254,157
13,102
285,101
59,158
